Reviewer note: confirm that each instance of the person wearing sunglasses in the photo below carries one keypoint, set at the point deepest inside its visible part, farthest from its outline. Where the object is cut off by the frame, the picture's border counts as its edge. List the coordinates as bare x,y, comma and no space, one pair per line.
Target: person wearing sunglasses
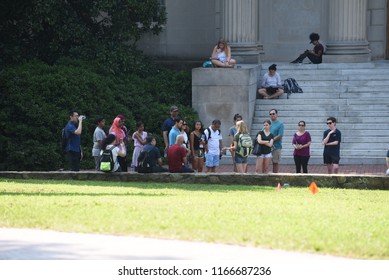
331,141
277,129
301,142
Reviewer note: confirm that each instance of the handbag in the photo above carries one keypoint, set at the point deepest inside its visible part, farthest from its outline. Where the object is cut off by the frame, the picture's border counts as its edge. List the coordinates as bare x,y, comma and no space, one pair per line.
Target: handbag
257,150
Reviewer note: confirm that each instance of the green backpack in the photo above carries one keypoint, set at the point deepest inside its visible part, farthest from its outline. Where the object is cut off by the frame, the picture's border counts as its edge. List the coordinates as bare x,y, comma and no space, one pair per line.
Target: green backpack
245,145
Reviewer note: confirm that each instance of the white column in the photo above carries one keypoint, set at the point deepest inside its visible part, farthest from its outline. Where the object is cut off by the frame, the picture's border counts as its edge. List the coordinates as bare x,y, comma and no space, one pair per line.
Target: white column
240,29
347,39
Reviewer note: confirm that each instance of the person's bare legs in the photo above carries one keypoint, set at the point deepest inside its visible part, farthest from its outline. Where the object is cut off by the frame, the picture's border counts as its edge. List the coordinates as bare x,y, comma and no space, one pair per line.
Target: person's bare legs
329,168
259,165
239,168
278,93
275,167
266,164
262,92
335,168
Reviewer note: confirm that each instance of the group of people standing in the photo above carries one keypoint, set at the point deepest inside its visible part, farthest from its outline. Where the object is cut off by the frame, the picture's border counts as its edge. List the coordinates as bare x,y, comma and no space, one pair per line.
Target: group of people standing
270,140
200,146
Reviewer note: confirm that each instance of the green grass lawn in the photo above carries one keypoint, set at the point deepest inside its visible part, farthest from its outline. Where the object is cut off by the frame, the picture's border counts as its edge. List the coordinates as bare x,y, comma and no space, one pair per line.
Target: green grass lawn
343,222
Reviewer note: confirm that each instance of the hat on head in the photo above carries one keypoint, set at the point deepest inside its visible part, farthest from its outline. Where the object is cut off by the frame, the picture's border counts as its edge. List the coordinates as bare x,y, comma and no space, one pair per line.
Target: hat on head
173,109
314,37
273,67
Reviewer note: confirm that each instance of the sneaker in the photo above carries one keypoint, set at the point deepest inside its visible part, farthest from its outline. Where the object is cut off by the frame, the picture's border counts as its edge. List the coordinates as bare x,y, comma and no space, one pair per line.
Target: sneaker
296,61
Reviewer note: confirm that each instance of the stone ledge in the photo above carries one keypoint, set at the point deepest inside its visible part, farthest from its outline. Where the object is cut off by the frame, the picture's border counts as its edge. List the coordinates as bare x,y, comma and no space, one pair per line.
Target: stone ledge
348,181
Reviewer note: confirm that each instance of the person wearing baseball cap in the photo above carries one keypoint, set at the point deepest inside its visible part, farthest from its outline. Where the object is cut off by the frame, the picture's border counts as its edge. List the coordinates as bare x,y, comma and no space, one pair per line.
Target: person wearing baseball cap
315,55
168,124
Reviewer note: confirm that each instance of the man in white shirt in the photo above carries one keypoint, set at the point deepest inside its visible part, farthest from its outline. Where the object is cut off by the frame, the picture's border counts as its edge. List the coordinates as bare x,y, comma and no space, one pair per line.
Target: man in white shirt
213,146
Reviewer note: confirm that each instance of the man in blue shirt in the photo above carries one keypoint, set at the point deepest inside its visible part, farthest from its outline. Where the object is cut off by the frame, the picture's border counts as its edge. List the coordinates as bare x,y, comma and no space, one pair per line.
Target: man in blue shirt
277,129
175,131
167,126
73,131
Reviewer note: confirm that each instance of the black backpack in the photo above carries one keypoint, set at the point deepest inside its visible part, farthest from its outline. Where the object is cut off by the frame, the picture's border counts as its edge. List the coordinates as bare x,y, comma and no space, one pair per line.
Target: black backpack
64,140
106,160
144,162
291,86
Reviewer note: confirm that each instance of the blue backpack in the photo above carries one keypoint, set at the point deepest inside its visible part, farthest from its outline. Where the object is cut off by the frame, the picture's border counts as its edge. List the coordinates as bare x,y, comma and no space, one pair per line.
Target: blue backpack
207,64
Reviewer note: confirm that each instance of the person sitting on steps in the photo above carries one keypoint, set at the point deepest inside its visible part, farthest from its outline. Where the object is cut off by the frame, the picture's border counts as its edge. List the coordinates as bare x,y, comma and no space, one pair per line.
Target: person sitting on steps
271,84
315,55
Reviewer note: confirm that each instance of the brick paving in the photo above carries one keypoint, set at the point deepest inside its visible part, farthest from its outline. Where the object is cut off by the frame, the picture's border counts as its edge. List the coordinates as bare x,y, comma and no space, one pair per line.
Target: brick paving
367,169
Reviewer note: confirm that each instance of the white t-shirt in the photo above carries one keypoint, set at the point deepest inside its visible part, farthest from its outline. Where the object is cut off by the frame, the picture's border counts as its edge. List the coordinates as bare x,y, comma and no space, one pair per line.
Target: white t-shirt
213,141
271,81
115,154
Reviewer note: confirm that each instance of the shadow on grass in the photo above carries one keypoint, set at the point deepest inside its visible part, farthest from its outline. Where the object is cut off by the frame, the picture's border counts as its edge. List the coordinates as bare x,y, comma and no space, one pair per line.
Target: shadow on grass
147,185
77,194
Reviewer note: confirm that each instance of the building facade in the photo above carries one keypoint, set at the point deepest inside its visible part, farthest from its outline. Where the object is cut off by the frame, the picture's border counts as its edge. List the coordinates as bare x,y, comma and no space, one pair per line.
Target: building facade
270,31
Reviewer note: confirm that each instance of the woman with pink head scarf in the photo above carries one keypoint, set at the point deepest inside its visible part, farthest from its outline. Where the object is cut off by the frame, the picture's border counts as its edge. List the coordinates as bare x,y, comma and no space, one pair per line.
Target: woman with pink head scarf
117,129
120,135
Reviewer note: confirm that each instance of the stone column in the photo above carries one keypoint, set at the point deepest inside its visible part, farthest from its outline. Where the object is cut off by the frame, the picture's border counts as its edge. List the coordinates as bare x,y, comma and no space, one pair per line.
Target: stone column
347,39
240,29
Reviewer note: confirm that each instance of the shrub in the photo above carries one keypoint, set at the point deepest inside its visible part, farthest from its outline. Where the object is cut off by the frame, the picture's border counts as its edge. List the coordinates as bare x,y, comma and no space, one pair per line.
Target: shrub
35,100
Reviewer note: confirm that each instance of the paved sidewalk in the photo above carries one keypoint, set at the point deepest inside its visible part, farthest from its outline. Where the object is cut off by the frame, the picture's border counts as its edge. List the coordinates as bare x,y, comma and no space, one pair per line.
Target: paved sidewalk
33,244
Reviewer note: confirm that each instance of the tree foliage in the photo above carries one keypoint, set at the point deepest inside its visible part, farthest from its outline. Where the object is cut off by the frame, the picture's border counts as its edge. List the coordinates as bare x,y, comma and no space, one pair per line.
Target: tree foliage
90,29
60,55
36,97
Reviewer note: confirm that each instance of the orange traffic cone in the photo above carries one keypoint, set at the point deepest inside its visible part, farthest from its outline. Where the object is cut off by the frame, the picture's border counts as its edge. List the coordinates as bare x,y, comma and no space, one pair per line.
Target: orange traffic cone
279,187
313,188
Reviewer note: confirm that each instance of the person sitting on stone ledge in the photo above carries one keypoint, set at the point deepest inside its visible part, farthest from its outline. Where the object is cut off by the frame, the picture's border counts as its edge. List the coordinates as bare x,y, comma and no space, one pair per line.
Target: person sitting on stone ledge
221,55
176,156
154,155
315,55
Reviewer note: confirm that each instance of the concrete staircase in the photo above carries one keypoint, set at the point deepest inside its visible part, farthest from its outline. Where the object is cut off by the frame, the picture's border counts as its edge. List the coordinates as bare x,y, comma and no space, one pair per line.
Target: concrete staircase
357,94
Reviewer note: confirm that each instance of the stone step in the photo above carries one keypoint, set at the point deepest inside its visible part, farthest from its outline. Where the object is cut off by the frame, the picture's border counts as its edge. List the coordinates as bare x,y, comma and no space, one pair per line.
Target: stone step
342,116
357,94
322,66
313,126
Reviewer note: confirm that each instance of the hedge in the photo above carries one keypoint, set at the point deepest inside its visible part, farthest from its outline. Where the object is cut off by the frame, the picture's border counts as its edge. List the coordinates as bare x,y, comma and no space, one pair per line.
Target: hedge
35,99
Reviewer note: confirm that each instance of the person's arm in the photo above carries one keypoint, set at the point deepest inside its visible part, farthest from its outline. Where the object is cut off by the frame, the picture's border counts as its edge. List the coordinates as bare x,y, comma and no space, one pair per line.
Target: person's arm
139,138
221,146
278,78
122,149
78,131
214,53
280,134
327,138
165,139
228,53
235,145
191,141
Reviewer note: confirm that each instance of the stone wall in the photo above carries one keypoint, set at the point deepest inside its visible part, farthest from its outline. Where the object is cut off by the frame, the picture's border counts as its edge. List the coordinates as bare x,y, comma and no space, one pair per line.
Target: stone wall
294,180
194,26
220,93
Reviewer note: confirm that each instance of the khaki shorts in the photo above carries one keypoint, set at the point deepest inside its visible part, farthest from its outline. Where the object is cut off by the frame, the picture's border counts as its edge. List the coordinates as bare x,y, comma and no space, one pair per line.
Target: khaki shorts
276,156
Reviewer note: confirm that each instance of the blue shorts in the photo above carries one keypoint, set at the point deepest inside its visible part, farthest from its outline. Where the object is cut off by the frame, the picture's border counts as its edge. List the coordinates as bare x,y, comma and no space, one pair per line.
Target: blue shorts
212,160
239,159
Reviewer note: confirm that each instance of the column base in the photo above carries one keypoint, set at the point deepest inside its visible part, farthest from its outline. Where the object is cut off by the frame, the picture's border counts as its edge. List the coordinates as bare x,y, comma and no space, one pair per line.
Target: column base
347,52
247,53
